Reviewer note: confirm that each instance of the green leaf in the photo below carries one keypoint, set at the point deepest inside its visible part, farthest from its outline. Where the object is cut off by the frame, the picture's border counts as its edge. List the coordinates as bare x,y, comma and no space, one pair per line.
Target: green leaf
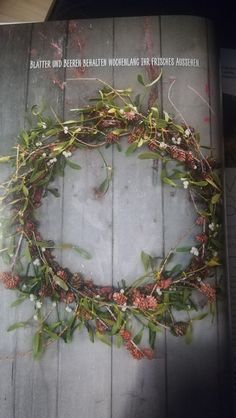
25,190
213,262
215,199
25,137
104,338
117,325
154,327
138,337
152,338
199,183
147,260
161,123
217,243
36,175
79,250
176,269
132,147
73,165
52,132
200,317
118,340
169,181
71,327
60,282
45,180
17,325
167,116
216,178
36,110
183,249
104,186
44,244
118,146
140,79
82,252
188,336
90,331
150,156
211,182
37,345
70,122
5,159
137,100
54,325
54,192
51,334
18,301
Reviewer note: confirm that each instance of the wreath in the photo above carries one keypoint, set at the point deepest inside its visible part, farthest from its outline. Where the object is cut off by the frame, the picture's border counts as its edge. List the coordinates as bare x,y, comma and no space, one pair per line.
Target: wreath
151,301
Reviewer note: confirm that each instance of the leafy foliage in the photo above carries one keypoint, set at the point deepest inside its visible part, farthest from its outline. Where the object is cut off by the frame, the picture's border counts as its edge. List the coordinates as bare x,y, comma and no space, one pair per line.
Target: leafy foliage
40,155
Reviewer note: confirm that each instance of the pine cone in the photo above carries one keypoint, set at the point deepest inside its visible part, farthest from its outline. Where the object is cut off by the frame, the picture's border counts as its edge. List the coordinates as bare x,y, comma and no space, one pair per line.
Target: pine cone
148,353
100,327
202,238
152,145
179,329
177,153
125,334
67,297
77,281
45,291
62,274
9,280
111,138
84,314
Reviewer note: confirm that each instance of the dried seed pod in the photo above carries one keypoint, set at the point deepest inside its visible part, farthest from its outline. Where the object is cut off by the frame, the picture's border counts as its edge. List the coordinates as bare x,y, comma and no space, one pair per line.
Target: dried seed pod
9,280
179,328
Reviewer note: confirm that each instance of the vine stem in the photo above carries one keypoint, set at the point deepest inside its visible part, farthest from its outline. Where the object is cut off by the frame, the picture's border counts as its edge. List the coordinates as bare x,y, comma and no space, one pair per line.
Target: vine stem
188,275
202,98
17,251
102,82
26,353
109,86
171,251
182,117
193,200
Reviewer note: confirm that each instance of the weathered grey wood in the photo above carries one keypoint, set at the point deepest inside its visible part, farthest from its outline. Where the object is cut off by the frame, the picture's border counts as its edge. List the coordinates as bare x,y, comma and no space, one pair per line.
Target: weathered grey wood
85,368
191,370
222,304
13,81
36,383
138,221
230,196
137,213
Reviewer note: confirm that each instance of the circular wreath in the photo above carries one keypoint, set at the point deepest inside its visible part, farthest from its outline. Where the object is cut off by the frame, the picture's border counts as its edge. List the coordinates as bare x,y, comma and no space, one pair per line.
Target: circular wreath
41,154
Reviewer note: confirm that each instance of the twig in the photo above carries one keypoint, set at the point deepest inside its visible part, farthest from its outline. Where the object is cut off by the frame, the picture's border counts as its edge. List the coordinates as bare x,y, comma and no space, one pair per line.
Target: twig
17,251
202,98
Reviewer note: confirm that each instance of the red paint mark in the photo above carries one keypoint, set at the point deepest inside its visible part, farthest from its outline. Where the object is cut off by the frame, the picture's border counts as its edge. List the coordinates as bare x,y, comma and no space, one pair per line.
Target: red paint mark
79,43
33,52
58,50
152,71
206,119
42,36
58,83
72,27
207,90
78,72
69,102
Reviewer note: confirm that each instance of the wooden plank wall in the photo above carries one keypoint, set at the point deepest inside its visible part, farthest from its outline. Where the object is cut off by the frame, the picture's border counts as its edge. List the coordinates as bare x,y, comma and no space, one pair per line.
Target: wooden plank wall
138,213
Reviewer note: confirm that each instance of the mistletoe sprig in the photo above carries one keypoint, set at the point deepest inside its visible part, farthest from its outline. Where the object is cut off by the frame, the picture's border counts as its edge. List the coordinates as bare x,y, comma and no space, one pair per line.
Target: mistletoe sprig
39,157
